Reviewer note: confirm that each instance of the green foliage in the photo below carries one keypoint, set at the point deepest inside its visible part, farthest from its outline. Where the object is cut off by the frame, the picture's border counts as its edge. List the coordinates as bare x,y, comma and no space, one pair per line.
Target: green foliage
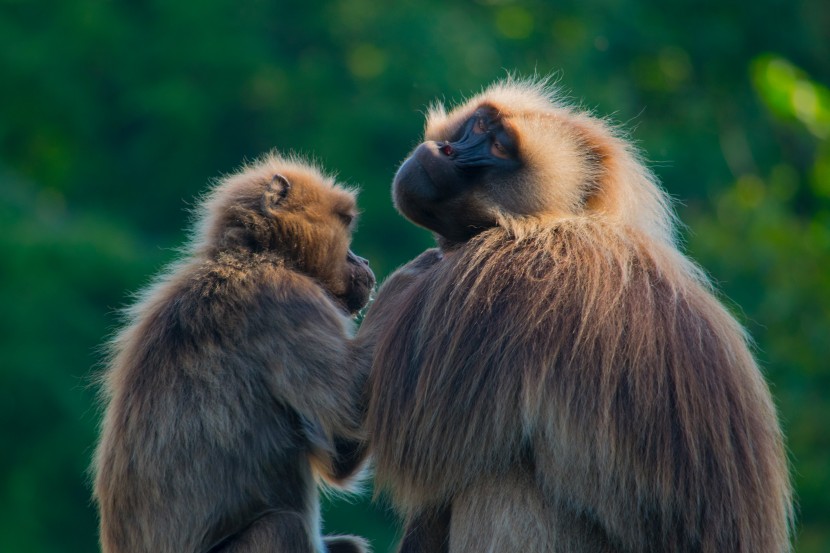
790,94
115,115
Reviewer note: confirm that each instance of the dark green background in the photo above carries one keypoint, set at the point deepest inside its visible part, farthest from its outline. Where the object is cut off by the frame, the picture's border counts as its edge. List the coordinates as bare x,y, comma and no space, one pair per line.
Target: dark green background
115,115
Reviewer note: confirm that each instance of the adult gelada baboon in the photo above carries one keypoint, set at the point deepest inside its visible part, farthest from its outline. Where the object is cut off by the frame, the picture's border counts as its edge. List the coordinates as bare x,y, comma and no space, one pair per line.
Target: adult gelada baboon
557,376
234,384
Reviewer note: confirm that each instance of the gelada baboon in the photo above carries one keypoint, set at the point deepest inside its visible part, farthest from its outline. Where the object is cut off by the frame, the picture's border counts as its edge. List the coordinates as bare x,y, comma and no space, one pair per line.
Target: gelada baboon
234,384
557,376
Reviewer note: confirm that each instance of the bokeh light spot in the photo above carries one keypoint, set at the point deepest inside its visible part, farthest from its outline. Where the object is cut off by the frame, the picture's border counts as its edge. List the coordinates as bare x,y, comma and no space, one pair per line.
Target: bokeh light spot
366,61
514,22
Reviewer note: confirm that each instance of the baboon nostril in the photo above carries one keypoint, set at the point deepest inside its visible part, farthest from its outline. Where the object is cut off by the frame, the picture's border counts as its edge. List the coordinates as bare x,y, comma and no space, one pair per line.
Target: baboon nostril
446,149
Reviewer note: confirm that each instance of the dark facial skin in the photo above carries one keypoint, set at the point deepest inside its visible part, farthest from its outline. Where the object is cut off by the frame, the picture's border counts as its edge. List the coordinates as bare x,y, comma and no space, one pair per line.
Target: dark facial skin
434,186
361,282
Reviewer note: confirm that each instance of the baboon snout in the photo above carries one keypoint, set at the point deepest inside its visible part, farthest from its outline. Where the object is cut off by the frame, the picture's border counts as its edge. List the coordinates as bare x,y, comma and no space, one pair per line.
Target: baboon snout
356,259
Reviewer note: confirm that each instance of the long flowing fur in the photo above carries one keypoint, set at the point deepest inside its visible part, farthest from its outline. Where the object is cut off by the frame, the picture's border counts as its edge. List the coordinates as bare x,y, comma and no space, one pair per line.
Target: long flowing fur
584,362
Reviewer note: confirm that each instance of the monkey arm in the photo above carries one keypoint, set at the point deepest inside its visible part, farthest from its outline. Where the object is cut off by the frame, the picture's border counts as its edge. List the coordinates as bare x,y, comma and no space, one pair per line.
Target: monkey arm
306,338
337,458
351,447
351,451
348,459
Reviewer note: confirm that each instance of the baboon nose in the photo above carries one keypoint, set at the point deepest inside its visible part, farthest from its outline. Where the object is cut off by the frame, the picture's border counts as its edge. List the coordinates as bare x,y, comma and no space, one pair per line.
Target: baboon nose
446,149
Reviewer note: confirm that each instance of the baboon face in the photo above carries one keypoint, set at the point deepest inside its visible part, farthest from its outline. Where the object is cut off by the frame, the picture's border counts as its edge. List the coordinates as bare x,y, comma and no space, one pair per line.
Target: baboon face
294,210
313,224
509,152
443,185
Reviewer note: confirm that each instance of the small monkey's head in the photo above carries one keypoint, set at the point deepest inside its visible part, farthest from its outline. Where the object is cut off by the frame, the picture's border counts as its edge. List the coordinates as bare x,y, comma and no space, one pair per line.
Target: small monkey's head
289,207
514,152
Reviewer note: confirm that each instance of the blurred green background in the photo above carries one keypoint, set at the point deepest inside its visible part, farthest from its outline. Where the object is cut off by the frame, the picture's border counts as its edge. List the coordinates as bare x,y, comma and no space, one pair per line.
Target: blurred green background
115,115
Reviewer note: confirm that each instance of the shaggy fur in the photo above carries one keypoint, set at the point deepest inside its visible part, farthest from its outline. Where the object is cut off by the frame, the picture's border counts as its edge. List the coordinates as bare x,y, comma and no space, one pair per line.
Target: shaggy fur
234,383
566,381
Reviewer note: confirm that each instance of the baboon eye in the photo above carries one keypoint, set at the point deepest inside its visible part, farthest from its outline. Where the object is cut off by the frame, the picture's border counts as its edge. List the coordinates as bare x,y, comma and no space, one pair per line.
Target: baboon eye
499,150
347,218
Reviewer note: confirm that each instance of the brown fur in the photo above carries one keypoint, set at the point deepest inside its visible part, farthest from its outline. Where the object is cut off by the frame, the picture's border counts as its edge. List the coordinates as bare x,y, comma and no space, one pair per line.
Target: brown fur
234,384
566,380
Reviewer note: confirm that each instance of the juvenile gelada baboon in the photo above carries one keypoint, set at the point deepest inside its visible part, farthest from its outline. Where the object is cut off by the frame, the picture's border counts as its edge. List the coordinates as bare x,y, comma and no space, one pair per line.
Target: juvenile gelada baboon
557,376
234,384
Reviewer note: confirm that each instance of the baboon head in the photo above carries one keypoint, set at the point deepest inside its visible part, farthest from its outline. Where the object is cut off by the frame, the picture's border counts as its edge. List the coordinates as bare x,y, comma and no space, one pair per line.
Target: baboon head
516,151
287,207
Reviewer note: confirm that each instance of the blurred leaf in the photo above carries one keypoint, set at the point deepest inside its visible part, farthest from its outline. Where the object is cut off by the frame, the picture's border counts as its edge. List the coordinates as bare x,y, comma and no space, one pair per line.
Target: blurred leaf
790,94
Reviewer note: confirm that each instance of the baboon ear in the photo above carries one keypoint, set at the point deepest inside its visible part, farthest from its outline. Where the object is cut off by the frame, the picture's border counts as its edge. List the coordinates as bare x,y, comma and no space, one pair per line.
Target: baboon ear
276,191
